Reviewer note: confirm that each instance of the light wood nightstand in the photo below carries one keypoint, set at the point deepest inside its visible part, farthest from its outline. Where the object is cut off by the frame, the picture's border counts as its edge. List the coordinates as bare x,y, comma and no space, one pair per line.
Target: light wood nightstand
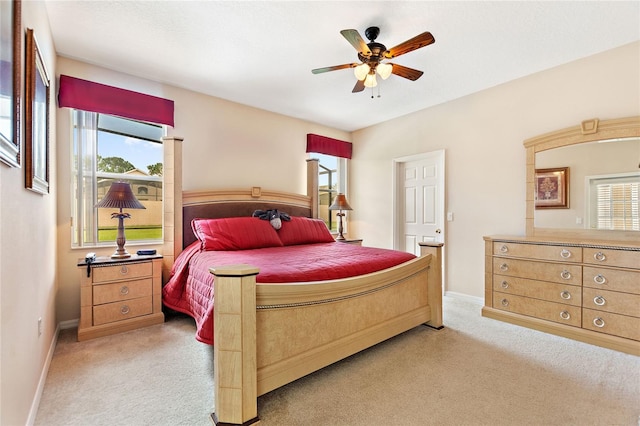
118,295
355,241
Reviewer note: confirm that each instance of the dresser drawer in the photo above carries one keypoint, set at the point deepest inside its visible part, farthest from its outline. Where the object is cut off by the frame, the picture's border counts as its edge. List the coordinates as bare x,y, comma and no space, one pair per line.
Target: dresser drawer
541,252
606,322
552,292
106,293
626,281
121,272
551,311
611,257
542,271
611,301
118,311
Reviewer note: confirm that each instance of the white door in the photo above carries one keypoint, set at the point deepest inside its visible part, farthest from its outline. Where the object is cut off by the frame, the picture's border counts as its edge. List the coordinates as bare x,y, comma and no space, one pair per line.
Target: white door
419,200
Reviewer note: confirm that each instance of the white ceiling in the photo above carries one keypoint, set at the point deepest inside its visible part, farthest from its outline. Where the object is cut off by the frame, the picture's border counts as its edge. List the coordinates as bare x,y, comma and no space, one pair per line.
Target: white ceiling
261,53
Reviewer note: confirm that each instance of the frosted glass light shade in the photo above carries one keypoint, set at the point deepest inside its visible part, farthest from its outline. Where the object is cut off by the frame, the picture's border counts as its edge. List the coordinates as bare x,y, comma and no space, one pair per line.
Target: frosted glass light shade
361,71
370,81
384,70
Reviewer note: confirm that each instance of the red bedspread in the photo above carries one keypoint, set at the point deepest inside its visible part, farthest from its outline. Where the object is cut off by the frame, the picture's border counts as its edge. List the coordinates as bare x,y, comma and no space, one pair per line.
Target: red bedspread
190,289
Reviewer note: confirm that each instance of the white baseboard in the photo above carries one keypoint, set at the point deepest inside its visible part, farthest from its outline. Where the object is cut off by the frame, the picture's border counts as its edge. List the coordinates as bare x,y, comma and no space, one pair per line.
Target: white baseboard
43,378
461,296
64,325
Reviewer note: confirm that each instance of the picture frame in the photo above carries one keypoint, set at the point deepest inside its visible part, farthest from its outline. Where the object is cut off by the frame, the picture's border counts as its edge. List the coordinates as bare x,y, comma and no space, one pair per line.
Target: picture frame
36,113
10,81
552,188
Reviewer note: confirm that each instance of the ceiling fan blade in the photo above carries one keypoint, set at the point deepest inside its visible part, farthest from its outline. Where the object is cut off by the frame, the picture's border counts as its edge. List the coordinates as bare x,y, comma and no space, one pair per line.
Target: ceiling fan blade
333,68
359,87
406,72
354,37
417,42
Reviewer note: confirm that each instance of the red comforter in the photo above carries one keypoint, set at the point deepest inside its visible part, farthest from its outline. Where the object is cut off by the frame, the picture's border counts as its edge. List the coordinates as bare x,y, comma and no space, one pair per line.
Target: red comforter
190,288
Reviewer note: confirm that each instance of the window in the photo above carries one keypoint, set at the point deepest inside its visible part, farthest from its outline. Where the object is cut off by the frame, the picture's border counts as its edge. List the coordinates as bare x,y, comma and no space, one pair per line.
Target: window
614,202
332,179
107,149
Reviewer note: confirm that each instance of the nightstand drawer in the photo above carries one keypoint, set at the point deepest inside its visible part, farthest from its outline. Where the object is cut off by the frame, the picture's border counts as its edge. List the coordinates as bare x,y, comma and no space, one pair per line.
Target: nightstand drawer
119,311
122,272
107,293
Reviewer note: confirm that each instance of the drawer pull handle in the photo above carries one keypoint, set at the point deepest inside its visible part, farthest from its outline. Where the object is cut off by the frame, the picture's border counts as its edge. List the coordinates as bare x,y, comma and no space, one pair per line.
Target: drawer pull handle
565,254
565,295
565,275
565,315
599,279
504,267
599,300
124,270
504,302
600,257
125,310
504,284
504,248
124,290
598,322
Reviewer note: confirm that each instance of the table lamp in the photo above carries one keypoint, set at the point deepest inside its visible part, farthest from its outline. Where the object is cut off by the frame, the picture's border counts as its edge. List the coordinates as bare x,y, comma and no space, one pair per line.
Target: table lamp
340,203
120,196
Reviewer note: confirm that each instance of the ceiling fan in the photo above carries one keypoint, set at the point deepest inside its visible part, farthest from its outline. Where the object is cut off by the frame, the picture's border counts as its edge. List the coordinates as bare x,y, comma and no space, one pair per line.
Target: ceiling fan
373,54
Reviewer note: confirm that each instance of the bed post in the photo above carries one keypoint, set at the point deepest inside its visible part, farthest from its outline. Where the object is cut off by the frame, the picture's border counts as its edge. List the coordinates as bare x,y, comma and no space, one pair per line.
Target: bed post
434,281
236,389
172,202
312,185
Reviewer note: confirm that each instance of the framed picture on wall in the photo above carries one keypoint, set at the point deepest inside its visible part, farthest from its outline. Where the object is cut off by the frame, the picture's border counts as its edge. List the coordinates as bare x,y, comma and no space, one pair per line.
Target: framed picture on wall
551,188
36,113
10,86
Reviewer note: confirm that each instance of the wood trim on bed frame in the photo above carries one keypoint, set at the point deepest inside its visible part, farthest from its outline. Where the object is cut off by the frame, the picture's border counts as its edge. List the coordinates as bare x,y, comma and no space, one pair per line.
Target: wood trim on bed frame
269,335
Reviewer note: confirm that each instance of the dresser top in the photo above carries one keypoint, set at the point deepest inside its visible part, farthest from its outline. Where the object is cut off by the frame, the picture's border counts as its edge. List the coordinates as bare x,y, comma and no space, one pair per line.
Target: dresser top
574,242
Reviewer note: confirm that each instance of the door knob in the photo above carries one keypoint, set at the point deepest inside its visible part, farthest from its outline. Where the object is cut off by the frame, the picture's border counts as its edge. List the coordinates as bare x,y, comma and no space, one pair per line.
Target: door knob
438,231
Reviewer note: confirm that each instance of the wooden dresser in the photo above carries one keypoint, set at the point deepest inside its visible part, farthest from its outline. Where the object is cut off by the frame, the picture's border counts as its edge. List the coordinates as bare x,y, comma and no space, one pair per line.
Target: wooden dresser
119,295
584,290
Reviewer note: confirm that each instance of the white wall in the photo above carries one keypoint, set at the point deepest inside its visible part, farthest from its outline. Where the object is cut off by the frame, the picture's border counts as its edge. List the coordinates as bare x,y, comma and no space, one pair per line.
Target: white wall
482,135
28,259
226,145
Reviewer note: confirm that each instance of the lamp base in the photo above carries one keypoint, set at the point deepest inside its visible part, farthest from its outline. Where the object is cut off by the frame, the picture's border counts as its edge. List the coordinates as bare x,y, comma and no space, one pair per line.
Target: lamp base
117,255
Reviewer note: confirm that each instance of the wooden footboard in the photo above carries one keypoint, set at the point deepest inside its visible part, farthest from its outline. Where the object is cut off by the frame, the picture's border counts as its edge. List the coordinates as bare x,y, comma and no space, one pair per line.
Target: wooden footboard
266,336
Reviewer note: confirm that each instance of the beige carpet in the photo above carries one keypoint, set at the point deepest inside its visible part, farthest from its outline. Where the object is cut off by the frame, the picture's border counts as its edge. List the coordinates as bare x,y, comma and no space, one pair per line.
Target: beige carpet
476,371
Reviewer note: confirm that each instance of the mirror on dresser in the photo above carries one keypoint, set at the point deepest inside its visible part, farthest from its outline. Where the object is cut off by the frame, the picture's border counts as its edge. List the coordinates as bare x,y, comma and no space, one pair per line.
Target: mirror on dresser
594,152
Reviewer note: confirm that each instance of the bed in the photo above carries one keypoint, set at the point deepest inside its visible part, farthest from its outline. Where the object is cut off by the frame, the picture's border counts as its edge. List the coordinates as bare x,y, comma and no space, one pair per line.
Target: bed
268,334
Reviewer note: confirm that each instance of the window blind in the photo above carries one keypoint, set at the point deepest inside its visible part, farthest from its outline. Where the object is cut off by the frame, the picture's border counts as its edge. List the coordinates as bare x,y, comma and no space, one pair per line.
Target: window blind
618,206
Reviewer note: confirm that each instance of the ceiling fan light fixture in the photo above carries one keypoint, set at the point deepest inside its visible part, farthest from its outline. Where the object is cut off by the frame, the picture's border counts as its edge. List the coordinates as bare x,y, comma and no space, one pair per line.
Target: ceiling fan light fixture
384,70
370,80
361,71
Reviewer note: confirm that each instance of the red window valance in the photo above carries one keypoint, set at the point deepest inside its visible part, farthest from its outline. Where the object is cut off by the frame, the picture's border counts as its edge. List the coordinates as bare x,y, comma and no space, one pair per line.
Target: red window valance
95,97
329,146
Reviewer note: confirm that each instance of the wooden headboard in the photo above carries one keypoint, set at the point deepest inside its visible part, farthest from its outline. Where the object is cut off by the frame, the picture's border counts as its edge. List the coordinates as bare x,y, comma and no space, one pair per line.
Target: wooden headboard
235,203
180,207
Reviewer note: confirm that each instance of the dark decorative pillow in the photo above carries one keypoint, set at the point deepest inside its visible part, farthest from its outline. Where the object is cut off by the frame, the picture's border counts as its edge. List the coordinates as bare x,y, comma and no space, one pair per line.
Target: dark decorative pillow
235,233
303,230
